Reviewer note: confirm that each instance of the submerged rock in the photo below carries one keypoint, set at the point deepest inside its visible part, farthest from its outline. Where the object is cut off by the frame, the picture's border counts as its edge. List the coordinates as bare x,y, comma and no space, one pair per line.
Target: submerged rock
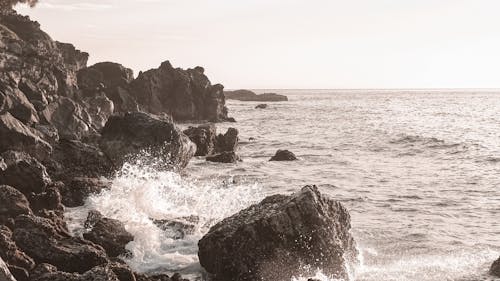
261,106
283,155
247,95
126,136
281,237
45,241
495,268
110,234
224,157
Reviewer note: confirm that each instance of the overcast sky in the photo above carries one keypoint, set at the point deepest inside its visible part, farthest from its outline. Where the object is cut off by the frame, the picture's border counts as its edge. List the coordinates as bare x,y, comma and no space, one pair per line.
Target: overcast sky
291,44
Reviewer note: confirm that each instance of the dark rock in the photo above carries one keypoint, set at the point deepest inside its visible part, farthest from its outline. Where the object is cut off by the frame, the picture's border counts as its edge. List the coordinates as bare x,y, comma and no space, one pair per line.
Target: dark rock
17,136
15,102
283,155
12,204
126,136
227,142
19,273
224,157
23,172
5,274
72,159
122,271
277,238
495,268
45,241
204,138
71,119
98,273
246,95
48,200
78,189
261,106
10,253
230,119
184,94
111,235
92,218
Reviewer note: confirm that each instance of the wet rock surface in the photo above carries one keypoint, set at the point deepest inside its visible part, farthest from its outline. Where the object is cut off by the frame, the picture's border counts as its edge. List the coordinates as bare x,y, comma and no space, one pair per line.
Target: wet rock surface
204,138
283,155
276,238
224,157
110,234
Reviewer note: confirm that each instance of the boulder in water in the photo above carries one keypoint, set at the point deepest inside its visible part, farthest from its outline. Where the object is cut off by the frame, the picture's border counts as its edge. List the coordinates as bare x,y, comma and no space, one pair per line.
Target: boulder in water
495,268
78,189
283,155
261,106
224,157
126,136
110,234
281,237
228,141
204,138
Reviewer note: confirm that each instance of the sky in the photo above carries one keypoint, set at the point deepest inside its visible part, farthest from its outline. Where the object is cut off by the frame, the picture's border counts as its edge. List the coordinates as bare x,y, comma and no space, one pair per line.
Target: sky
289,44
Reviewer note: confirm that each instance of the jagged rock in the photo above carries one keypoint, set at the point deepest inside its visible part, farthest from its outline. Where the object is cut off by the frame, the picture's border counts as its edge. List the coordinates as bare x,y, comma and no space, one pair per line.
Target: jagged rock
224,157
49,200
45,241
12,204
47,132
283,155
276,238
23,172
10,253
46,272
78,189
126,136
17,136
92,218
72,159
70,118
5,274
227,142
184,94
261,106
246,95
110,234
15,102
100,108
495,268
204,138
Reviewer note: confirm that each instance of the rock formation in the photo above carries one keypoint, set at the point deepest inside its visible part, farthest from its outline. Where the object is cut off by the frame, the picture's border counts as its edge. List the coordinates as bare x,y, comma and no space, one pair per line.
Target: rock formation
204,138
283,155
280,237
247,95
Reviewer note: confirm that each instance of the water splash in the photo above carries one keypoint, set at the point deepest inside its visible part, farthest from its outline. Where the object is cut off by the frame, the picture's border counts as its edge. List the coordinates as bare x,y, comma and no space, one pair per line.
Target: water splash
139,196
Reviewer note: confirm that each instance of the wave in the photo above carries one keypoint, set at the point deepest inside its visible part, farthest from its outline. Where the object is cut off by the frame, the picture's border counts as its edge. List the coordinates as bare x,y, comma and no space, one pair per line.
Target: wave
427,143
144,199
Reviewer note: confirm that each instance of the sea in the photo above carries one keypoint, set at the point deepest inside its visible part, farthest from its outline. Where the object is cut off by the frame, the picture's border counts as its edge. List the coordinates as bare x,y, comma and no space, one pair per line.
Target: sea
418,170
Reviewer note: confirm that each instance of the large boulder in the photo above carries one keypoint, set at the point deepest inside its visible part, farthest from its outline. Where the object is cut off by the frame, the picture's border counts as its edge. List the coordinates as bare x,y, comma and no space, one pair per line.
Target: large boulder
228,141
17,136
247,95
10,253
495,268
75,192
134,133
204,138
281,237
184,94
283,155
23,172
110,234
46,241
12,204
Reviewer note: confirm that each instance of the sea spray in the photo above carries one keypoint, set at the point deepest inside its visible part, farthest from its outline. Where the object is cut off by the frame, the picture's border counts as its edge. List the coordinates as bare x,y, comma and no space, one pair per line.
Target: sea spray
140,195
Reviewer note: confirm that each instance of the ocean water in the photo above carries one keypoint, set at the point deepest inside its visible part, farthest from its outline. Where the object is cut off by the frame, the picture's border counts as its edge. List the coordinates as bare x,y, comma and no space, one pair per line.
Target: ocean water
419,172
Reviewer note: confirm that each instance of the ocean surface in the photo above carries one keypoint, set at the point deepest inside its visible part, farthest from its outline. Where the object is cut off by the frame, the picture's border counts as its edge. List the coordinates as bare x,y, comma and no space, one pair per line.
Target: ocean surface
418,170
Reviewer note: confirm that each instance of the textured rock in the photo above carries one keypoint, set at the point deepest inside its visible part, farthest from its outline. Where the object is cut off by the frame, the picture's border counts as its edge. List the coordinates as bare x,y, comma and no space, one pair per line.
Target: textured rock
277,238
204,138
283,155
23,172
46,272
5,274
12,204
110,234
47,242
17,136
246,95
126,136
224,157
495,268
78,189
227,142
184,94
10,253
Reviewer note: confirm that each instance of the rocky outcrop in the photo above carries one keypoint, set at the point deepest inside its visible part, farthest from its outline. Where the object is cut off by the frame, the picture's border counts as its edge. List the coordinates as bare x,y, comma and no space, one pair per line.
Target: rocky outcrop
228,141
283,155
281,237
23,172
110,234
134,133
47,242
12,204
204,138
183,94
495,268
247,95
78,189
